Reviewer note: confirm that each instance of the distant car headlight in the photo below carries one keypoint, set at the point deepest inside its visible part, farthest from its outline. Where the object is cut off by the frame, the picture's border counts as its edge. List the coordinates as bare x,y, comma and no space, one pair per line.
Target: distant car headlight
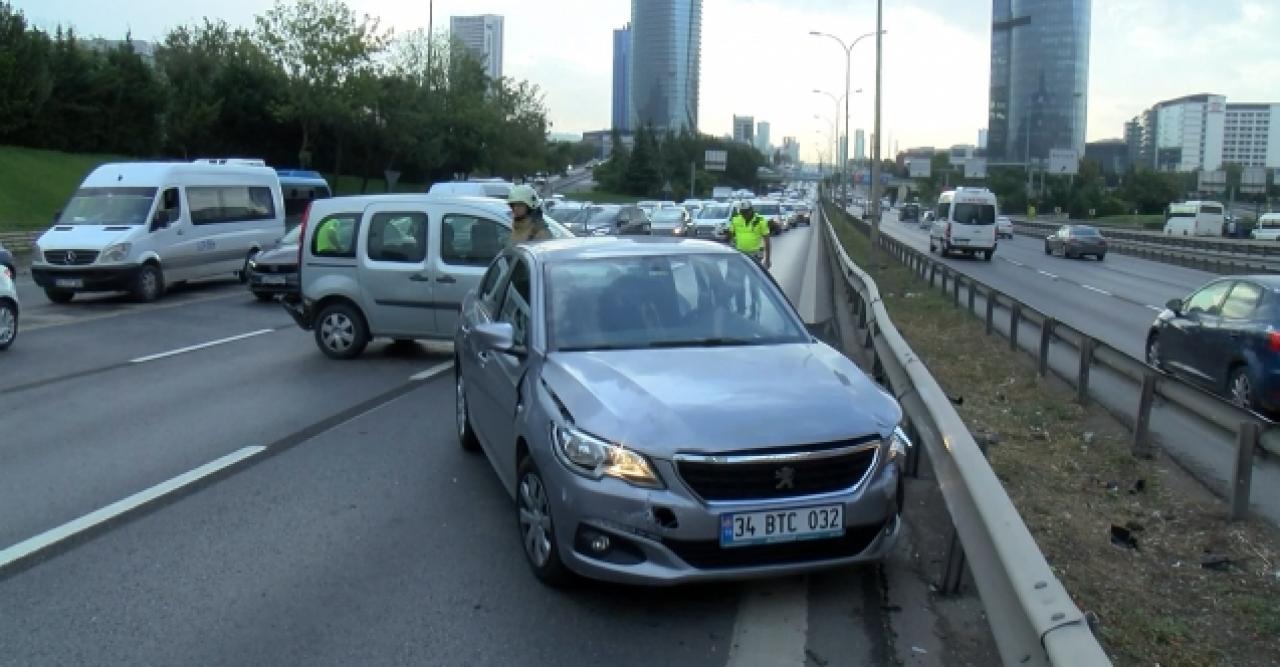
899,444
594,458
115,253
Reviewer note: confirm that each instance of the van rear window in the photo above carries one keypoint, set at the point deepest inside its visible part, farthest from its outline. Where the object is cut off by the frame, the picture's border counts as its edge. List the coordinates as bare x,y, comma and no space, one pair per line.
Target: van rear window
974,214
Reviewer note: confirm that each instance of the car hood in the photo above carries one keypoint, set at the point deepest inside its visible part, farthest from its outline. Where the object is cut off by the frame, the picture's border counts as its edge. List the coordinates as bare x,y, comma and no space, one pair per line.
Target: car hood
88,237
280,254
719,399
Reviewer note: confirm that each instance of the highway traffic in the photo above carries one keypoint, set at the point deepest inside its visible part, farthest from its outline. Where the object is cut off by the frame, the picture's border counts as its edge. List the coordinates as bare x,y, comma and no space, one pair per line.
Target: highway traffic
328,515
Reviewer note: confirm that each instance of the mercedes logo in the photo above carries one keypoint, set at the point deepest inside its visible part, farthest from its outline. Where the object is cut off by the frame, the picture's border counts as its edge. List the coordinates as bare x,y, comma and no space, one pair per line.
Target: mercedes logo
70,257
786,477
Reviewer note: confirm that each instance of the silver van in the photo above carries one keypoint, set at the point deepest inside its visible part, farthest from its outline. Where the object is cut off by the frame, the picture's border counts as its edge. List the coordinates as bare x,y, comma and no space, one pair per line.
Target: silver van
394,266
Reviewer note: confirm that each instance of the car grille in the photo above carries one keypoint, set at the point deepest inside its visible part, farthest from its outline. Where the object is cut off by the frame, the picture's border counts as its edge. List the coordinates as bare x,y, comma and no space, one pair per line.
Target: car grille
708,554
706,232
765,475
71,257
276,268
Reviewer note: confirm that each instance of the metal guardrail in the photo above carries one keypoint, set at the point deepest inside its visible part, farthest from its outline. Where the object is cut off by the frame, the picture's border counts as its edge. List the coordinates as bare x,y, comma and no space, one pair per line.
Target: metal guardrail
1033,619
1206,260
1239,246
1251,431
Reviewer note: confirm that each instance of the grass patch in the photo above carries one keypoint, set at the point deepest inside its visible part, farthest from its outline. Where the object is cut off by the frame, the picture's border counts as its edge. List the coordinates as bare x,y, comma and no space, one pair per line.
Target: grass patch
1135,221
36,183
1068,470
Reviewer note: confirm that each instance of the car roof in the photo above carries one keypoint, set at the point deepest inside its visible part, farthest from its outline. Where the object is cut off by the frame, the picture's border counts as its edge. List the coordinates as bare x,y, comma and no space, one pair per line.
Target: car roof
559,250
1269,281
363,201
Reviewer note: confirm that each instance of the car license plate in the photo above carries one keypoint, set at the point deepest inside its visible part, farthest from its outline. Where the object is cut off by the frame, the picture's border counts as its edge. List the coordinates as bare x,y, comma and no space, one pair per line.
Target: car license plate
69,283
273,280
789,525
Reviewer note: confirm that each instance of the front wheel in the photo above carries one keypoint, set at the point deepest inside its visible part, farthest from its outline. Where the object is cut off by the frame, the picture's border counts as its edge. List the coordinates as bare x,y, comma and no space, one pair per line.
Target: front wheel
149,284
341,332
1242,388
59,296
1047,249
466,434
8,324
537,530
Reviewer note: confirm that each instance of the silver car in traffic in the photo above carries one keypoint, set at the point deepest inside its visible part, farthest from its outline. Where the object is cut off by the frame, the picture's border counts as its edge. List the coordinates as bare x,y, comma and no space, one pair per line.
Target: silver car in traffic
660,415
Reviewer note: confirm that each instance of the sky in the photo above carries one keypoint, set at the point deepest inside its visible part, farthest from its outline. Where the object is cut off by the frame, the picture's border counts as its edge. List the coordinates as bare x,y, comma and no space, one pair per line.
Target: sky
759,60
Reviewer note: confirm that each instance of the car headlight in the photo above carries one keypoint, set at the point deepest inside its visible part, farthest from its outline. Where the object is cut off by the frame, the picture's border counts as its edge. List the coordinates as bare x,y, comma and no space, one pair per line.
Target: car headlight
253,264
115,253
594,458
899,444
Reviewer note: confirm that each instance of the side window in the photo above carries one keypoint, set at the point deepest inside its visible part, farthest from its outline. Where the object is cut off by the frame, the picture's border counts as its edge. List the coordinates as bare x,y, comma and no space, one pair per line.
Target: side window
944,211
235,203
494,279
1243,301
336,236
398,237
516,303
1208,299
469,241
171,204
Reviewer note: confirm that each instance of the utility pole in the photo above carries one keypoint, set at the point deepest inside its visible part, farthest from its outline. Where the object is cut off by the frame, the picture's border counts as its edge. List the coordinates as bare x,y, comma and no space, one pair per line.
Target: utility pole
875,157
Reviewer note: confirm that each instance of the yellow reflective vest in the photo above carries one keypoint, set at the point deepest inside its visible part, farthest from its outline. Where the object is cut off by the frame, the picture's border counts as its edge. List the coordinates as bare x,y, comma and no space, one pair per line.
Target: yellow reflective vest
748,237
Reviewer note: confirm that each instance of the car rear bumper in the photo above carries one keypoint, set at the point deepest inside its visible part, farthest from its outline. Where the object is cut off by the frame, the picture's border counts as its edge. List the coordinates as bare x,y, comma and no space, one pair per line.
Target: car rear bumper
91,278
668,537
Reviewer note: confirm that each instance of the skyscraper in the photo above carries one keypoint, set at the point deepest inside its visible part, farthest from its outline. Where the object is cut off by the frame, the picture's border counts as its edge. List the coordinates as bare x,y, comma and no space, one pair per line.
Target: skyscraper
762,137
1039,78
744,129
859,145
666,50
482,37
622,79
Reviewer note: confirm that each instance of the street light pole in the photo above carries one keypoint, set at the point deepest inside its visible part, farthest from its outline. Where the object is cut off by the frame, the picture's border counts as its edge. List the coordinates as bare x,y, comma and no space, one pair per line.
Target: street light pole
848,66
875,164
835,123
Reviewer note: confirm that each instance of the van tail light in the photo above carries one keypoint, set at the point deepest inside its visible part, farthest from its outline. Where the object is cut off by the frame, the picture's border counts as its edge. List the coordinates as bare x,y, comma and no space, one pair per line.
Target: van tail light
1273,341
302,235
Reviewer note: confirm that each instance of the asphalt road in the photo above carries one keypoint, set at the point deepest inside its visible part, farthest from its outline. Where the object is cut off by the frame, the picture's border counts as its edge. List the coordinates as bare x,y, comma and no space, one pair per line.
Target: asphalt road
339,522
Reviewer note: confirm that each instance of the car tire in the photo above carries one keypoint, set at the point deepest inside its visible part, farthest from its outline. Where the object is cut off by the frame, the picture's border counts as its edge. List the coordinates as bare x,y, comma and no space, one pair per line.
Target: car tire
149,284
8,324
988,254
59,296
538,542
466,433
341,332
1102,256
264,296
1240,388
1048,250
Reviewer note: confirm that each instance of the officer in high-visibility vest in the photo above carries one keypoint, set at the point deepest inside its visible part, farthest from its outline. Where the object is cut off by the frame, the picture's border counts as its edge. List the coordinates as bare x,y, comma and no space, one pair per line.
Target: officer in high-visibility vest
749,233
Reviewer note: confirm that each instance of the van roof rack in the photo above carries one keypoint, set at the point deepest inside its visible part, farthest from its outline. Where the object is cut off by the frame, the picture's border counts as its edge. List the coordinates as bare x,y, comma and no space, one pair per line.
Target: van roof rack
240,161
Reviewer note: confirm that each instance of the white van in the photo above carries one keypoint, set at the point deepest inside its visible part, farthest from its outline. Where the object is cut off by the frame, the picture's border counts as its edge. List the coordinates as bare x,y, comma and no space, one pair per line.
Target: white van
1194,218
494,188
965,221
1268,228
138,226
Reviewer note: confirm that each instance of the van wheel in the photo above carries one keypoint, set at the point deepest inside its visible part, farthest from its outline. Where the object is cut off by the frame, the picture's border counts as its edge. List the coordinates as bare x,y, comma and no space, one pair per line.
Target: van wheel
341,332
243,275
59,296
8,324
988,254
149,284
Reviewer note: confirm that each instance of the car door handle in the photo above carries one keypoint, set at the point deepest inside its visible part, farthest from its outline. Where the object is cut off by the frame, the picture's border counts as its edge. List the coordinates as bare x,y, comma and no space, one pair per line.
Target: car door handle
448,280
420,278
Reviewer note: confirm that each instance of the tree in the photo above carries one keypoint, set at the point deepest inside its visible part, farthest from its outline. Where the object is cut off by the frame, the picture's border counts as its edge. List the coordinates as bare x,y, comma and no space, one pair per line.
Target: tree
643,178
320,45
191,58
25,80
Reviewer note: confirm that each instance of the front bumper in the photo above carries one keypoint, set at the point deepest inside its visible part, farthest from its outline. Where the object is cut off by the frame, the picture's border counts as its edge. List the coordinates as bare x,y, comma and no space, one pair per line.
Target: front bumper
299,310
668,537
263,282
91,278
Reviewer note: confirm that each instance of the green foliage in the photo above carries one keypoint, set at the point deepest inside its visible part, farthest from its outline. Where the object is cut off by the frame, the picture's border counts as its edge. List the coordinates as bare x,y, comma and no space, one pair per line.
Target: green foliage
35,183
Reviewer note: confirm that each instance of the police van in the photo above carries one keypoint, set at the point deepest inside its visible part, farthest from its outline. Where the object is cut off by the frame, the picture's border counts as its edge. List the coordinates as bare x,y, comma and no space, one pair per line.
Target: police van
965,222
139,226
1194,218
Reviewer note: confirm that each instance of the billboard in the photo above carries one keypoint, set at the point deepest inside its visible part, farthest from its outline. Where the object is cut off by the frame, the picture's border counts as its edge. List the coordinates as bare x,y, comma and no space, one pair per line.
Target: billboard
716,160
1213,181
1253,180
1063,162
975,167
919,167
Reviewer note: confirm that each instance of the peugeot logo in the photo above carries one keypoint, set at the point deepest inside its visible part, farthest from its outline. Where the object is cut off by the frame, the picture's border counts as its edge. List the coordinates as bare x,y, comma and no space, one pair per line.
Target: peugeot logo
70,257
786,477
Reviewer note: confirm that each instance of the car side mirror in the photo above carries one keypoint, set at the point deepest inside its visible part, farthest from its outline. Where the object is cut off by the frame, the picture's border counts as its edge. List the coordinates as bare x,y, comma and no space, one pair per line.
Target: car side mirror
1175,305
498,336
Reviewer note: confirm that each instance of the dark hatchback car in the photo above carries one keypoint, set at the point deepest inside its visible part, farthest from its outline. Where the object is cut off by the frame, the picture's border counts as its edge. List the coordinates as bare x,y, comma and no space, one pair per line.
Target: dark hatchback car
275,270
909,213
611,220
1225,337
1076,241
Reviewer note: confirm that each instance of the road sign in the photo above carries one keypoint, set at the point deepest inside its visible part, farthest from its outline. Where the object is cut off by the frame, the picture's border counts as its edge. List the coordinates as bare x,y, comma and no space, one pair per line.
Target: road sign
716,160
975,167
1063,162
1213,181
919,167
1253,180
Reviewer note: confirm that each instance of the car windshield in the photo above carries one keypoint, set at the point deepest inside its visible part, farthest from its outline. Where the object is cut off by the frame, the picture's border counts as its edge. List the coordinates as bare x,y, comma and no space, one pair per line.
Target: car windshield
655,301
601,216
108,206
974,214
668,215
714,213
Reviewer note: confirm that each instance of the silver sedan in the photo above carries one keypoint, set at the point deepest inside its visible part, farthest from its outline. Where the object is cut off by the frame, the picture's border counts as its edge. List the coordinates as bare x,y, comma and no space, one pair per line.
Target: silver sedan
660,415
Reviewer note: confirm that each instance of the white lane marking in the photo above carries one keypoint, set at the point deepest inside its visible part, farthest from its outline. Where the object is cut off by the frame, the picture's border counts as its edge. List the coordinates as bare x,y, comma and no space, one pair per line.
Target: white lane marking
431,372
772,625
66,530
201,346
1014,262
1091,288
1046,273
1158,309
